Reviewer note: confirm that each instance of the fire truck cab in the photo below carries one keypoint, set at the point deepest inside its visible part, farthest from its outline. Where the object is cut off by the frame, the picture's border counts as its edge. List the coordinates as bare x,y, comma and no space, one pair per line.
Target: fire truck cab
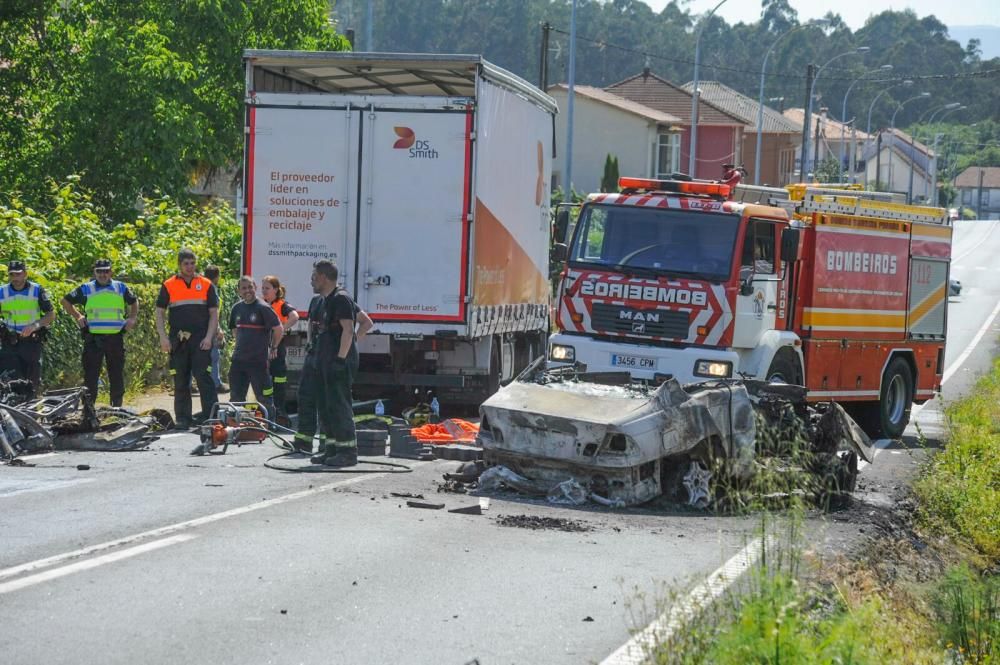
833,289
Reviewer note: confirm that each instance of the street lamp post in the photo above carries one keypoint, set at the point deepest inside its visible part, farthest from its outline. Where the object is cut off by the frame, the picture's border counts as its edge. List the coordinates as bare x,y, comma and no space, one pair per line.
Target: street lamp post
760,97
843,112
951,108
892,130
868,128
693,147
809,102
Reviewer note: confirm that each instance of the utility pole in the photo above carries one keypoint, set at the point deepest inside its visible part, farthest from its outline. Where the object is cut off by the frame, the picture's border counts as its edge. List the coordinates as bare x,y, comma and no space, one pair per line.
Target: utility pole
815,150
349,34
913,165
369,27
806,124
878,162
570,85
979,196
543,58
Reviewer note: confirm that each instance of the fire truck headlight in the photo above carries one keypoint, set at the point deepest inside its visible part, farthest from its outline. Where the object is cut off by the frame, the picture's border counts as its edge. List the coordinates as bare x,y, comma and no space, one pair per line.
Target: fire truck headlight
563,354
713,369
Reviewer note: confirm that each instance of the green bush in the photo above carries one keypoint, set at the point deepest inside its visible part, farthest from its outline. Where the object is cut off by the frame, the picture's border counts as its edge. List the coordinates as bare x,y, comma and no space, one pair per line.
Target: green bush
61,243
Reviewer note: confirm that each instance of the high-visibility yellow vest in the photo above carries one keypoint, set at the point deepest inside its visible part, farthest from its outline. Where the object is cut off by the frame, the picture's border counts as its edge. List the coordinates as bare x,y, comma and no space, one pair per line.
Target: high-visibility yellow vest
20,309
105,307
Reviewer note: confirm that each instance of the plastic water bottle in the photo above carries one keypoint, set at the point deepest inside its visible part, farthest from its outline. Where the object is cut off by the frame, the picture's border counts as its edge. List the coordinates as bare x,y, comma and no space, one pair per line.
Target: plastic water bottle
436,407
379,408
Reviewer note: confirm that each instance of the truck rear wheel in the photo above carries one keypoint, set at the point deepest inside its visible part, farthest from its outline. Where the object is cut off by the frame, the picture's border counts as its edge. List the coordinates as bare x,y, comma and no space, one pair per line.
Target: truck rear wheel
895,399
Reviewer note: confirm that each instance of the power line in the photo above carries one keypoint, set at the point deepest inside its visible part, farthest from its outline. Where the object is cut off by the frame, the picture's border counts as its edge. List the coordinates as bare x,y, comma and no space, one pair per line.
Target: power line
986,73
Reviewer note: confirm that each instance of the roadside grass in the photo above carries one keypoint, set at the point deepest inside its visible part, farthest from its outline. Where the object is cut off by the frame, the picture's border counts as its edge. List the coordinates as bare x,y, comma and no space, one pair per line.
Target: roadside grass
960,489
925,589
793,608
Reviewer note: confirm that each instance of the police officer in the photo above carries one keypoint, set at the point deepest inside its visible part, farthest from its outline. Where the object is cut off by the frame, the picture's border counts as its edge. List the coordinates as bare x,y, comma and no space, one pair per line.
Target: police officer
273,293
334,365
258,333
191,304
103,322
27,313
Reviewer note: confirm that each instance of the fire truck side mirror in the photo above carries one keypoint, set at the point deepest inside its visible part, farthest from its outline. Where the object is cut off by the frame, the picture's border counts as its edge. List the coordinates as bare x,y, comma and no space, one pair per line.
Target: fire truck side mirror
789,244
558,253
561,225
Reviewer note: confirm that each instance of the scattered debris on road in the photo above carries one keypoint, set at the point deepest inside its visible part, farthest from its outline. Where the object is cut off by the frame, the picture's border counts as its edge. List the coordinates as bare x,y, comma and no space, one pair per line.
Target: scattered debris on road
536,523
424,504
67,420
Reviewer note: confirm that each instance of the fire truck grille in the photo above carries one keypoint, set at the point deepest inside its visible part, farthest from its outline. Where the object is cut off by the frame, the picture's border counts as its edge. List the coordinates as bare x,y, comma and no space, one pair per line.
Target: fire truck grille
656,322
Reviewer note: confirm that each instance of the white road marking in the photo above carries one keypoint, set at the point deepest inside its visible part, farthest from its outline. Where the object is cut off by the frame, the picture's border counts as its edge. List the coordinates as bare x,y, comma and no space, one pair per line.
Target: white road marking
180,526
969,349
55,573
13,486
643,643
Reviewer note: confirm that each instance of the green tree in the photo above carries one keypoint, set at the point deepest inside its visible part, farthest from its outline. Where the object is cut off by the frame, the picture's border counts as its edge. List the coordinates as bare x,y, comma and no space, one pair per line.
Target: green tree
828,170
136,97
609,181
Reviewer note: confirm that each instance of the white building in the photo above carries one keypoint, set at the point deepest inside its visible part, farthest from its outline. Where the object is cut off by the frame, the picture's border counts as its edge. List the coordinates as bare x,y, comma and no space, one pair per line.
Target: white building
890,158
645,141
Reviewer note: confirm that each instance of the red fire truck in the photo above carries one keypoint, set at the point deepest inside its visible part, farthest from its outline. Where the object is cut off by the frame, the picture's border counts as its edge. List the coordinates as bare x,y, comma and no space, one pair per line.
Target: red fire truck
842,291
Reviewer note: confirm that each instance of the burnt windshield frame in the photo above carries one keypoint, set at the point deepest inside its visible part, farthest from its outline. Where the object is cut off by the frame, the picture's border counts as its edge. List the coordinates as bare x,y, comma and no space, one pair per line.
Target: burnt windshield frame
638,240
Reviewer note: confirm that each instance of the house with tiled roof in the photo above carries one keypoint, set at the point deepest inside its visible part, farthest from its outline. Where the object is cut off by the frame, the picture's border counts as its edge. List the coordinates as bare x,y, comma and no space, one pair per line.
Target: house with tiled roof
645,141
835,139
979,189
720,133
781,137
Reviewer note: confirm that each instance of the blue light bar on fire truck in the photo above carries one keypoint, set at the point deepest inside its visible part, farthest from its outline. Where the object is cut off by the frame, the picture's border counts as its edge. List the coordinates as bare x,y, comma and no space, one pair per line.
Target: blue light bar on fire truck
678,186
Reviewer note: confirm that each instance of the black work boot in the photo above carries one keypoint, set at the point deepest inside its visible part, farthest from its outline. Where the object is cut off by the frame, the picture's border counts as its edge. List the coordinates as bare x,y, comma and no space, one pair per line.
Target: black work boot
342,454
321,453
302,445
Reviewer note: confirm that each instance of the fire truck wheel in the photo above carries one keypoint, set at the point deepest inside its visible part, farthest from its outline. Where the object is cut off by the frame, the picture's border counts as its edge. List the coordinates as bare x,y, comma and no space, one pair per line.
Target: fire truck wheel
895,399
784,369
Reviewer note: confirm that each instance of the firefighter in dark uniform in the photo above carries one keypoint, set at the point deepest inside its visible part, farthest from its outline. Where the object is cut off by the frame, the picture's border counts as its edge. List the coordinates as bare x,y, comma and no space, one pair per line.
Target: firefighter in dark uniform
27,314
109,309
273,293
331,365
191,304
258,333
312,419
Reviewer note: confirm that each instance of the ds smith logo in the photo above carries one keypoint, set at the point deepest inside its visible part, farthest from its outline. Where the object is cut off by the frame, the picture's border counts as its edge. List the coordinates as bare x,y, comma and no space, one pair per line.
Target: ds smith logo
408,141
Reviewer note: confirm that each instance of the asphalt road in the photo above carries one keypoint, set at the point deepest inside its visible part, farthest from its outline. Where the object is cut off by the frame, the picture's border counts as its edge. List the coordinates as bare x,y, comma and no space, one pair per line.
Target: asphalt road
161,557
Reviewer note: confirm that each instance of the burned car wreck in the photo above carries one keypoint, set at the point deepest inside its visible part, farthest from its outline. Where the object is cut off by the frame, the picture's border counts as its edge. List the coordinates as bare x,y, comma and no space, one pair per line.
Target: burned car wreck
626,442
67,420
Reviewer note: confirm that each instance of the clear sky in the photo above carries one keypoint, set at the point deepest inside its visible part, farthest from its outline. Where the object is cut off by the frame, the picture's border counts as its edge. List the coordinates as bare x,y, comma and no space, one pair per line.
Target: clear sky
856,12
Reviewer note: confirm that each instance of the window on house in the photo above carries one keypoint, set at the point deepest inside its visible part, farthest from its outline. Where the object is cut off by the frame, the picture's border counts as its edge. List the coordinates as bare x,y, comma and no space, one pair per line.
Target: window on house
967,197
668,155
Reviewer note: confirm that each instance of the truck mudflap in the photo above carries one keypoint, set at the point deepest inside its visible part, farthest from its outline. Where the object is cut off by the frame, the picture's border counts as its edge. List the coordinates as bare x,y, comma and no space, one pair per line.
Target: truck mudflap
621,442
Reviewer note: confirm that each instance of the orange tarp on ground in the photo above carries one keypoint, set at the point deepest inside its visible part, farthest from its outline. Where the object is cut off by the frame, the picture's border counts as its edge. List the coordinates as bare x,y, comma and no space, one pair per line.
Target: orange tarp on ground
449,431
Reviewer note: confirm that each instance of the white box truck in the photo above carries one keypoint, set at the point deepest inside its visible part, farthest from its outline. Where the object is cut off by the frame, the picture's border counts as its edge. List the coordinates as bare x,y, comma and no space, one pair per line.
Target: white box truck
425,178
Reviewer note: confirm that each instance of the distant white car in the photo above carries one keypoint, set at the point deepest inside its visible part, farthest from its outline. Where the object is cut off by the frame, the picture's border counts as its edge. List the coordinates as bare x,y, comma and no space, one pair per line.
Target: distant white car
955,287
952,214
